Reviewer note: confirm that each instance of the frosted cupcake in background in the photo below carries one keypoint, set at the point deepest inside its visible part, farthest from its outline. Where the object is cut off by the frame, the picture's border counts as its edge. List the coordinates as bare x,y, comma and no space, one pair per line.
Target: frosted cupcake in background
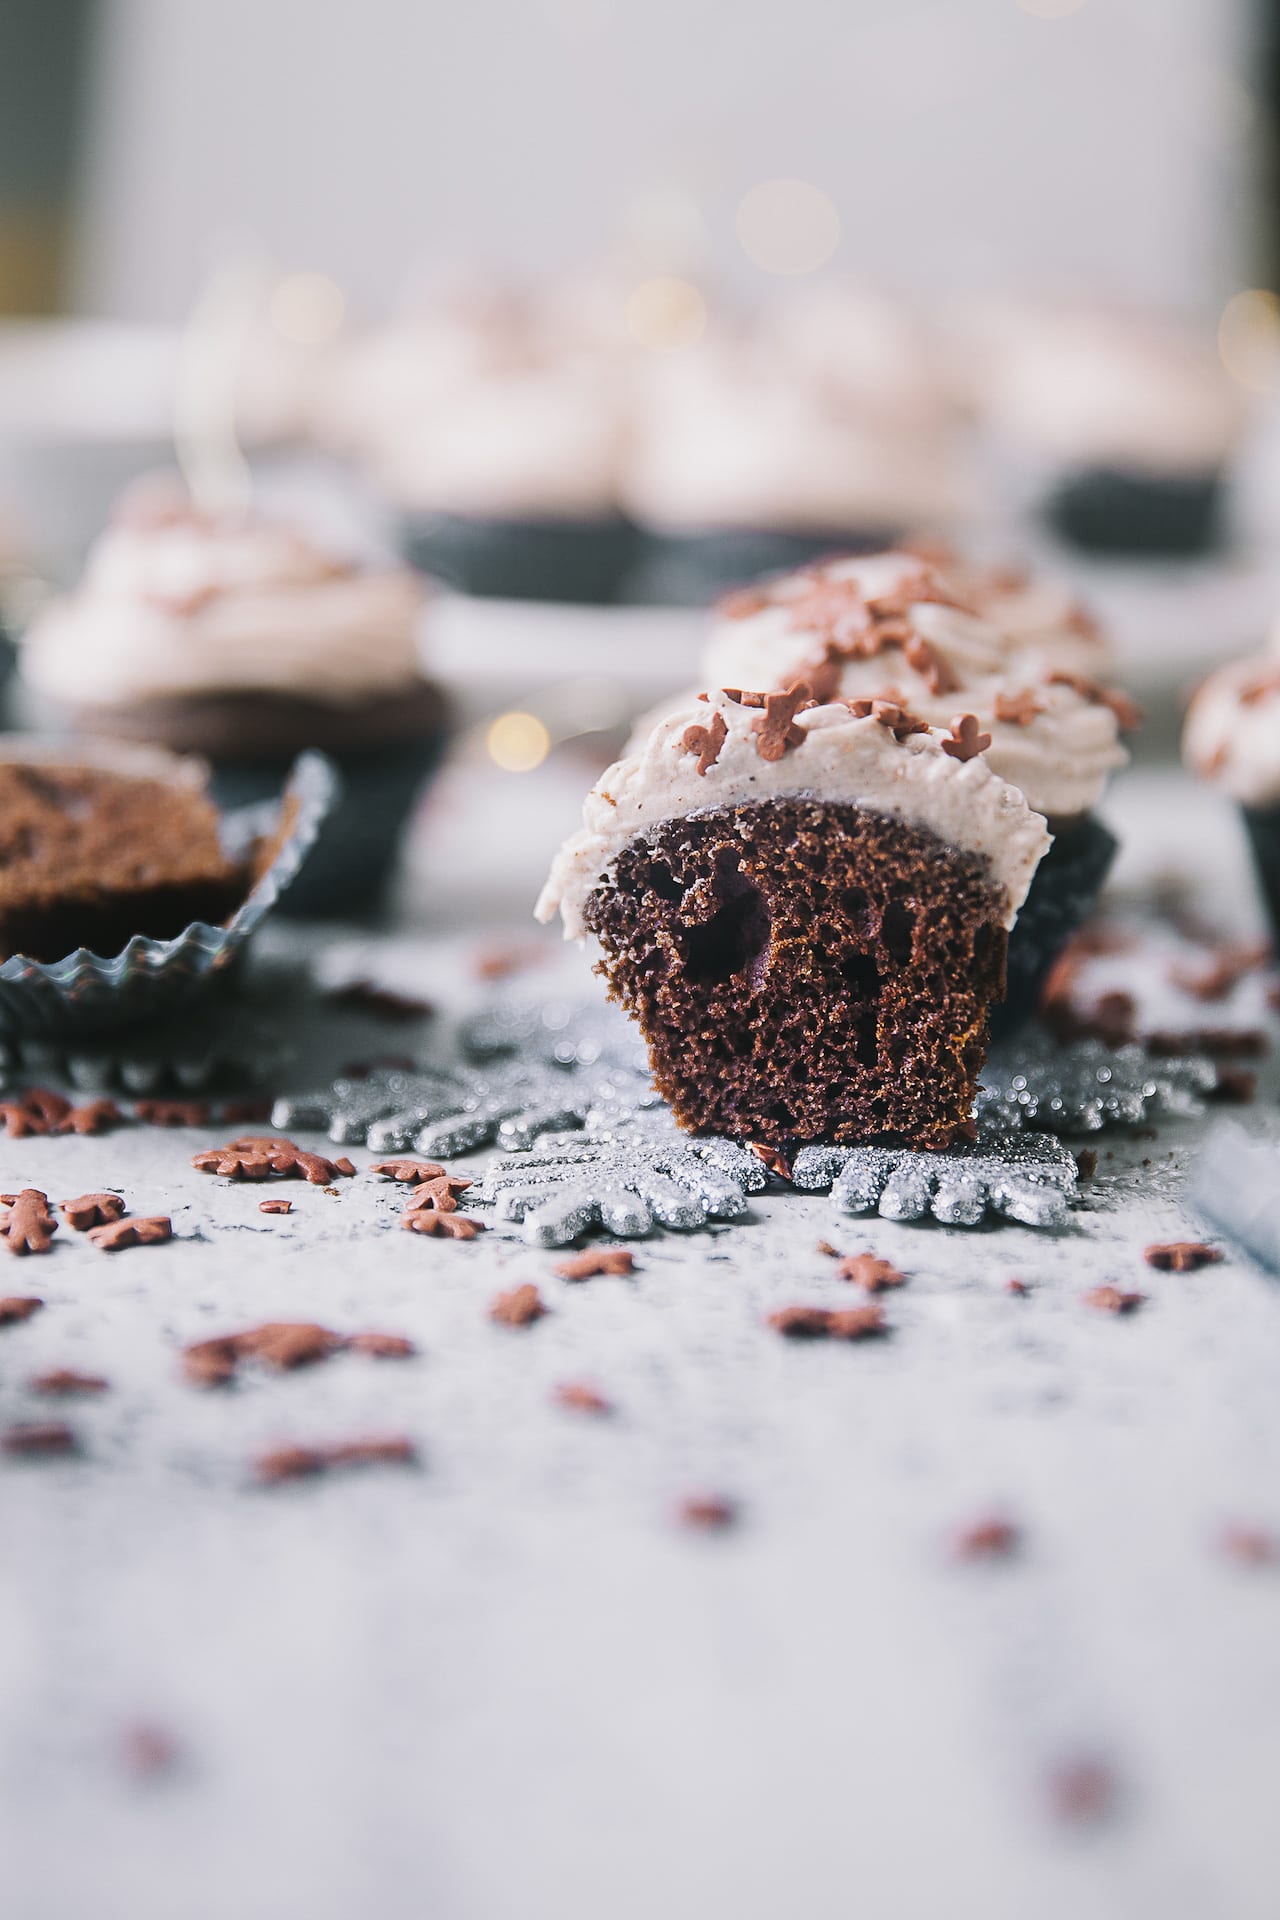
1232,740
890,628
743,463
239,639
1119,429
497,441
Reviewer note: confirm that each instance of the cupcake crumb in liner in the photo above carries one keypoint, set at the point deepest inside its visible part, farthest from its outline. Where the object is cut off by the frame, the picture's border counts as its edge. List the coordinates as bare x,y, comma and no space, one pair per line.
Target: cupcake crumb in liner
1063,892
87,992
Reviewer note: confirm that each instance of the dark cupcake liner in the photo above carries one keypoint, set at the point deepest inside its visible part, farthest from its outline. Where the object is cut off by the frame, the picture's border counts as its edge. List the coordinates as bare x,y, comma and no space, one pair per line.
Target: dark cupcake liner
1106,511
1262,824
89,992
1061,897
351,865
585,561
693,569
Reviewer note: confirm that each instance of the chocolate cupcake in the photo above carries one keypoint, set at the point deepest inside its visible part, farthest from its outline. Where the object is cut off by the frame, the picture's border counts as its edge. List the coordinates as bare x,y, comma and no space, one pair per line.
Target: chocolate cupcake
893,627
743,463
496,439
1232,739
806,910
1118,430
240,640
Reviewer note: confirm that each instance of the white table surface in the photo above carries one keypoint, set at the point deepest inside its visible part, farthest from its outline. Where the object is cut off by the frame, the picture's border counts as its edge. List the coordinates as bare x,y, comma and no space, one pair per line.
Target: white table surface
509,1684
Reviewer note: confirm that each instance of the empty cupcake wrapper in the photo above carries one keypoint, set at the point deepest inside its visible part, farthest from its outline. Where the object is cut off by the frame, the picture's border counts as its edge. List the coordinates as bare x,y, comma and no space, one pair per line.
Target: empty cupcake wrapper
87,992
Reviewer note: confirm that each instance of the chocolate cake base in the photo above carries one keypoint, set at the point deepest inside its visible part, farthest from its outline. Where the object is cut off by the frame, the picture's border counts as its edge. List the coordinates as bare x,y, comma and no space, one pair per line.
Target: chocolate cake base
806,971
695,569
1262,824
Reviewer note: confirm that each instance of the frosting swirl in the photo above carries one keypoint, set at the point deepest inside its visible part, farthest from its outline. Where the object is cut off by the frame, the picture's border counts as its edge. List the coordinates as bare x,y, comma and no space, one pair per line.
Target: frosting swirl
1232,732
174,603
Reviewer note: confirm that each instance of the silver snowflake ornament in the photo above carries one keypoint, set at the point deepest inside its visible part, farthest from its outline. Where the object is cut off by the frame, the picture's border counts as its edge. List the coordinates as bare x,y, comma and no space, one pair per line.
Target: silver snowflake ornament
443,1110
1002,1176
1086,1086
556,1033
629,1182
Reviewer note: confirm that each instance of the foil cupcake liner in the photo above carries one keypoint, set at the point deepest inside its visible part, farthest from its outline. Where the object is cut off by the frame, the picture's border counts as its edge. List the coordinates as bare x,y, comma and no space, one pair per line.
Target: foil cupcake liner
1062,895
88,992
1262,824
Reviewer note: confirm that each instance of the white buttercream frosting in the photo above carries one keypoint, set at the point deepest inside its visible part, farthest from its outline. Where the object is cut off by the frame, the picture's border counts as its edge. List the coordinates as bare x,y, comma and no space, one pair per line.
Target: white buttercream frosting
874,350
173,604
1232,732
1091,388
727,436
843,759
1060,754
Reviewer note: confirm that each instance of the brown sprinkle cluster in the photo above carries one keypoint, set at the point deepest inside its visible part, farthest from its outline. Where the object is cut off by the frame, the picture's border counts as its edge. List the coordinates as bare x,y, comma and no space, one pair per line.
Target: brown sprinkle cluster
826,1323
172,1113
1228,966
281,1464
283,1345
1128,714
260,1157
1017,709
597,1260
1112,1300
1180,1256
92,1210
519,1307
41,1110
27,1226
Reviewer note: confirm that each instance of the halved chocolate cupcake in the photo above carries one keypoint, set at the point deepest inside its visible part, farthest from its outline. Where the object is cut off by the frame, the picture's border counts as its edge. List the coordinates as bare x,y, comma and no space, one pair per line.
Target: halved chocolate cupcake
806,909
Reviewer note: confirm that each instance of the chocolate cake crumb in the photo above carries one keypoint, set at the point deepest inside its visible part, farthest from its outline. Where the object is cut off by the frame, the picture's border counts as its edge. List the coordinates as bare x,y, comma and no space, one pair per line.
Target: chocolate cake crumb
27,1226
994,1538
579,1397
1082,1792
707,1512
92,1210
275,1206
759,1027
520,1307
869,1271
597,1260
147,1750
172,1113
1249,1546
65,1380
1087,1162
38,1437
118,1234
1109,1299
17,1307
381,1346
365,996
1180,1256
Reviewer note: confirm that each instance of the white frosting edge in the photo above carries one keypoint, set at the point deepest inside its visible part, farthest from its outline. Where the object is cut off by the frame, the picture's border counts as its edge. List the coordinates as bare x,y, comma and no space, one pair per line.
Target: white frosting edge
842,759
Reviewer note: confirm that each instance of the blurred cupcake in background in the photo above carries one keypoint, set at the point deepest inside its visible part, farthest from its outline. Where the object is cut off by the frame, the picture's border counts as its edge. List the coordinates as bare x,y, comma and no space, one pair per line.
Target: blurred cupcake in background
743,462
497,440
240,639
1118,429
1232,740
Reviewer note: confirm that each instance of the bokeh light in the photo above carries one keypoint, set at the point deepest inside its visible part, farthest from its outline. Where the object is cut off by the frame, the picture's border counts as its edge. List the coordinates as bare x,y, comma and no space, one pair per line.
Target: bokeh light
518,742
1249,339
665,312
787,226
307,308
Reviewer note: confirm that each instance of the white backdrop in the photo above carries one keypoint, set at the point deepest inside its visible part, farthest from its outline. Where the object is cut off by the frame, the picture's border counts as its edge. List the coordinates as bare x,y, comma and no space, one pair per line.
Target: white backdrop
963,141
